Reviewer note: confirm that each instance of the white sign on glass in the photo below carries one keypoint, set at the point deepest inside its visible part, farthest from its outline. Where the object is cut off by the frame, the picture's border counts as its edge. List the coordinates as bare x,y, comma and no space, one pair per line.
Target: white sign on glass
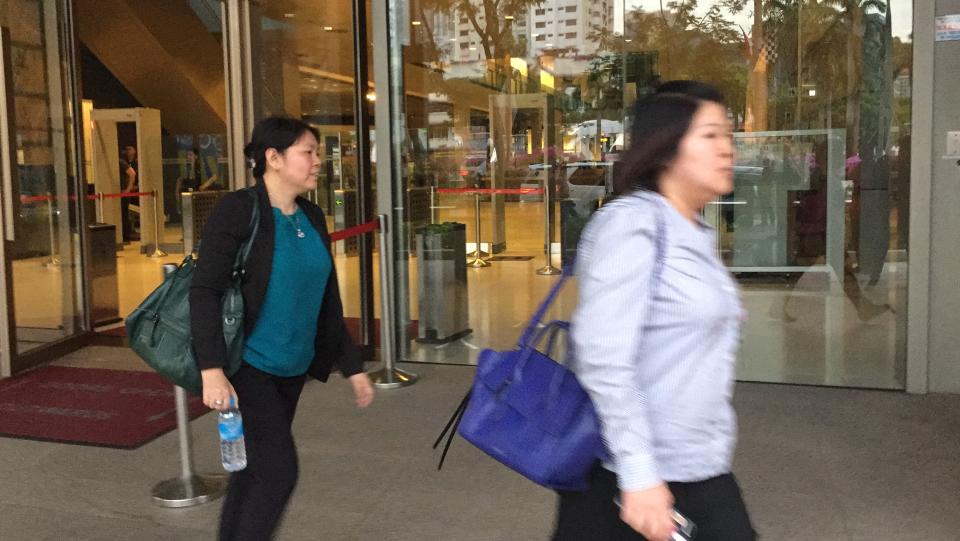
948,28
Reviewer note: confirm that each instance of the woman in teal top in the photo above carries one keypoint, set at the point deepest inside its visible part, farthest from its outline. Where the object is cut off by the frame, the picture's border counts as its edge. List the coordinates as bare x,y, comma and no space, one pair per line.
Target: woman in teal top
293,319
282,341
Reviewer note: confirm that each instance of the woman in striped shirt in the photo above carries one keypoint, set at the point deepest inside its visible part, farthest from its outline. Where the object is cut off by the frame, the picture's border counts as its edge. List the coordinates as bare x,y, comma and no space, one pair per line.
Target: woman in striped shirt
655,334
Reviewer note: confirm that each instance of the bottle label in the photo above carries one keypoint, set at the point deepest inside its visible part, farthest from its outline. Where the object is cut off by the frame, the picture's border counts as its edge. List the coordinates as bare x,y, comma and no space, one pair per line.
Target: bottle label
231,430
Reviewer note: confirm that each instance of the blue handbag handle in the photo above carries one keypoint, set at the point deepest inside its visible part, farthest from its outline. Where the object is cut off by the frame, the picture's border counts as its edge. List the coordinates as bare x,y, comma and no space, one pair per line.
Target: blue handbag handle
553,328
530,332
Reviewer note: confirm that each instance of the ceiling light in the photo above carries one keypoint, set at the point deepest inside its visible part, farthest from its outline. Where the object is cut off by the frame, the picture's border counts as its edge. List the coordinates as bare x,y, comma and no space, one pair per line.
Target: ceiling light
509,17
548,45
328,28
289,15
628,40
416,23
812,92
473,48
453,39
371,96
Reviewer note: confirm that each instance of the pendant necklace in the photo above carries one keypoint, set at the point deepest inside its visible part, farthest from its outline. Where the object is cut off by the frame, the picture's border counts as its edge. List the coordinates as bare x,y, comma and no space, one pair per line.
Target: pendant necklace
295,222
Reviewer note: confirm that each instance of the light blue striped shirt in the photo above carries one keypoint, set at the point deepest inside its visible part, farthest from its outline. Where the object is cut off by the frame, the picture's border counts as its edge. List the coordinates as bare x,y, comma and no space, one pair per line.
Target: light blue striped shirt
657,357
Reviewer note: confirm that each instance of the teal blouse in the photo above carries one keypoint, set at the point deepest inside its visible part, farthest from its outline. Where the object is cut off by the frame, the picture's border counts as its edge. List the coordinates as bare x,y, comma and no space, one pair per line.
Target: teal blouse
282,341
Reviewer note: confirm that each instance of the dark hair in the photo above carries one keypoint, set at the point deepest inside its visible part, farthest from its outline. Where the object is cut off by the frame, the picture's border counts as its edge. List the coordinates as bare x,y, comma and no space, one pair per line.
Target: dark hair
659,123
694,89
278,133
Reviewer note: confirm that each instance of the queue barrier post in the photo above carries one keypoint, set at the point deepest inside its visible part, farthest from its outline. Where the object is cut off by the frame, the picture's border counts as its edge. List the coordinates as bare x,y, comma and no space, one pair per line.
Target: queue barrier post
99,208
157,252
478,255
54,260
189,488
548,269
388,376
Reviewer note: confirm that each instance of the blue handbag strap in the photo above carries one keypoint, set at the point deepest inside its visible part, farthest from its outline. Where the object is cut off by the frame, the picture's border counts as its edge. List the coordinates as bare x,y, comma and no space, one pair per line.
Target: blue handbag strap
530,332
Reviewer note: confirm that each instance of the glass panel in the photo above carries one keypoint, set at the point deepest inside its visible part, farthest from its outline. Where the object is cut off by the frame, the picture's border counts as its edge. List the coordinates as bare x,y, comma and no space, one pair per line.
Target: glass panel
45,260
304,61
513,95
514,113
151,133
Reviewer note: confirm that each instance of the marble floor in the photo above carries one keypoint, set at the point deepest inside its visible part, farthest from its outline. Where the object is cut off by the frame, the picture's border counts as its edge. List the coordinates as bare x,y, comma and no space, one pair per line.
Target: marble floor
814,463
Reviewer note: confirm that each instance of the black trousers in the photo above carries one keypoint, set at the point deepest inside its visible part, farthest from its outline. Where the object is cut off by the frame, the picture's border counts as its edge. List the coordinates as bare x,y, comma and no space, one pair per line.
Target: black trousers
257,496
126,221
716,506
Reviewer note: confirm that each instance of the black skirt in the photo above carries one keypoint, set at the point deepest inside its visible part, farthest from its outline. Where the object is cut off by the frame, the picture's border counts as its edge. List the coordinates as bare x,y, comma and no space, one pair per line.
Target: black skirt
715,505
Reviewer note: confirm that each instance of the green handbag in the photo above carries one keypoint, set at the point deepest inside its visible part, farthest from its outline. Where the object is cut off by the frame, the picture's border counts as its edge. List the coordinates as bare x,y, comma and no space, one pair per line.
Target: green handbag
159,329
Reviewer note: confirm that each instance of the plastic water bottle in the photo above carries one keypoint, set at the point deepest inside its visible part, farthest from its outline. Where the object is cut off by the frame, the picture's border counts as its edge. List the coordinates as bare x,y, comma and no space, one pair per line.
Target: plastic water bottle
233,451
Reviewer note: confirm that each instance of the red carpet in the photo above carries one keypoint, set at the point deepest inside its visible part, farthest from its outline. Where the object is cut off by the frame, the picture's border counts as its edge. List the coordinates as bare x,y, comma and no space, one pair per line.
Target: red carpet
109,408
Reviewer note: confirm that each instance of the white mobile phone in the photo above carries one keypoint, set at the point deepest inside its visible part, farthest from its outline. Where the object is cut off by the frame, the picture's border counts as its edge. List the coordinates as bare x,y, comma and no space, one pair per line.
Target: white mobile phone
686,528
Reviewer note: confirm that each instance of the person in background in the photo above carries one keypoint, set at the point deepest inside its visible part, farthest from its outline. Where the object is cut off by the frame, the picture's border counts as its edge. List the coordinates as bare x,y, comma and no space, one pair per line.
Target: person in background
293,319
655,333
129,181
195,175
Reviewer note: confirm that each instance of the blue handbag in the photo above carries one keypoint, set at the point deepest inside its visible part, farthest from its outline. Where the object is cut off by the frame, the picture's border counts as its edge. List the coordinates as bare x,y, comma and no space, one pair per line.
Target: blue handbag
529,412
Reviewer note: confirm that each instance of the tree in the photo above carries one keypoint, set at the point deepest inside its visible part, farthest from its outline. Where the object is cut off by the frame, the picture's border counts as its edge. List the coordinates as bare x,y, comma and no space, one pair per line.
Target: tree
851,16
687,46
492,20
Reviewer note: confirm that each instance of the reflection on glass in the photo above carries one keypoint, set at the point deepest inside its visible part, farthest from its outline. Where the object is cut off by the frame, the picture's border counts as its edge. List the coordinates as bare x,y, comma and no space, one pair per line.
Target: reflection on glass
197,164
144,128
45,288
304,67
506,95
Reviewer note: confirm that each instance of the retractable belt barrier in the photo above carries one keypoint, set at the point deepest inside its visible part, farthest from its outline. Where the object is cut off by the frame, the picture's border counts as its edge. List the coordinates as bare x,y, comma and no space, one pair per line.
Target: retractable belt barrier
480,259
388,376
355,231
99,197
498,191
91,197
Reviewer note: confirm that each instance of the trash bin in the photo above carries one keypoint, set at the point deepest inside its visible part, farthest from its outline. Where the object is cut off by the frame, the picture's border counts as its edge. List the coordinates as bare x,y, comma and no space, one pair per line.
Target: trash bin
102,265
574,216
442,277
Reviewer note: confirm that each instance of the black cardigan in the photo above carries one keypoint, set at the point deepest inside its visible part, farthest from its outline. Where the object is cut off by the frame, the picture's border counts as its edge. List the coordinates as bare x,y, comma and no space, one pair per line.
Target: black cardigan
226,229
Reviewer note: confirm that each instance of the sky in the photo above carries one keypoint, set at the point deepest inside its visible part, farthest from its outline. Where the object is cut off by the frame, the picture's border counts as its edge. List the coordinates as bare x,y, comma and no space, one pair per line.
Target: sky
902,14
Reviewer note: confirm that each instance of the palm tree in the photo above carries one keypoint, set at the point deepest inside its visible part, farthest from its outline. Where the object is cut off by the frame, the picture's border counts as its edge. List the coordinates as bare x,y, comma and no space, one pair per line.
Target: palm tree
757,90
851,17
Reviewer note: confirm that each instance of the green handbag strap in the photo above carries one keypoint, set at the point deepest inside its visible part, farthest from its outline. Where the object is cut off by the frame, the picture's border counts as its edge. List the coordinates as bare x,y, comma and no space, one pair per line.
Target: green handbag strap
240,262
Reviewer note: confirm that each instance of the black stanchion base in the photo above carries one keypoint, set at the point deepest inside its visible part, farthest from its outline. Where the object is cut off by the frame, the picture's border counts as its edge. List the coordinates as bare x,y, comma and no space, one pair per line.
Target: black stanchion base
445,340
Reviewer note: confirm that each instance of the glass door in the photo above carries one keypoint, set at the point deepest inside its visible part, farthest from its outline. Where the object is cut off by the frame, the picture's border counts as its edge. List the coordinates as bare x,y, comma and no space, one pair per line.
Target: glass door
815,230
514,113
42,271
304,64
